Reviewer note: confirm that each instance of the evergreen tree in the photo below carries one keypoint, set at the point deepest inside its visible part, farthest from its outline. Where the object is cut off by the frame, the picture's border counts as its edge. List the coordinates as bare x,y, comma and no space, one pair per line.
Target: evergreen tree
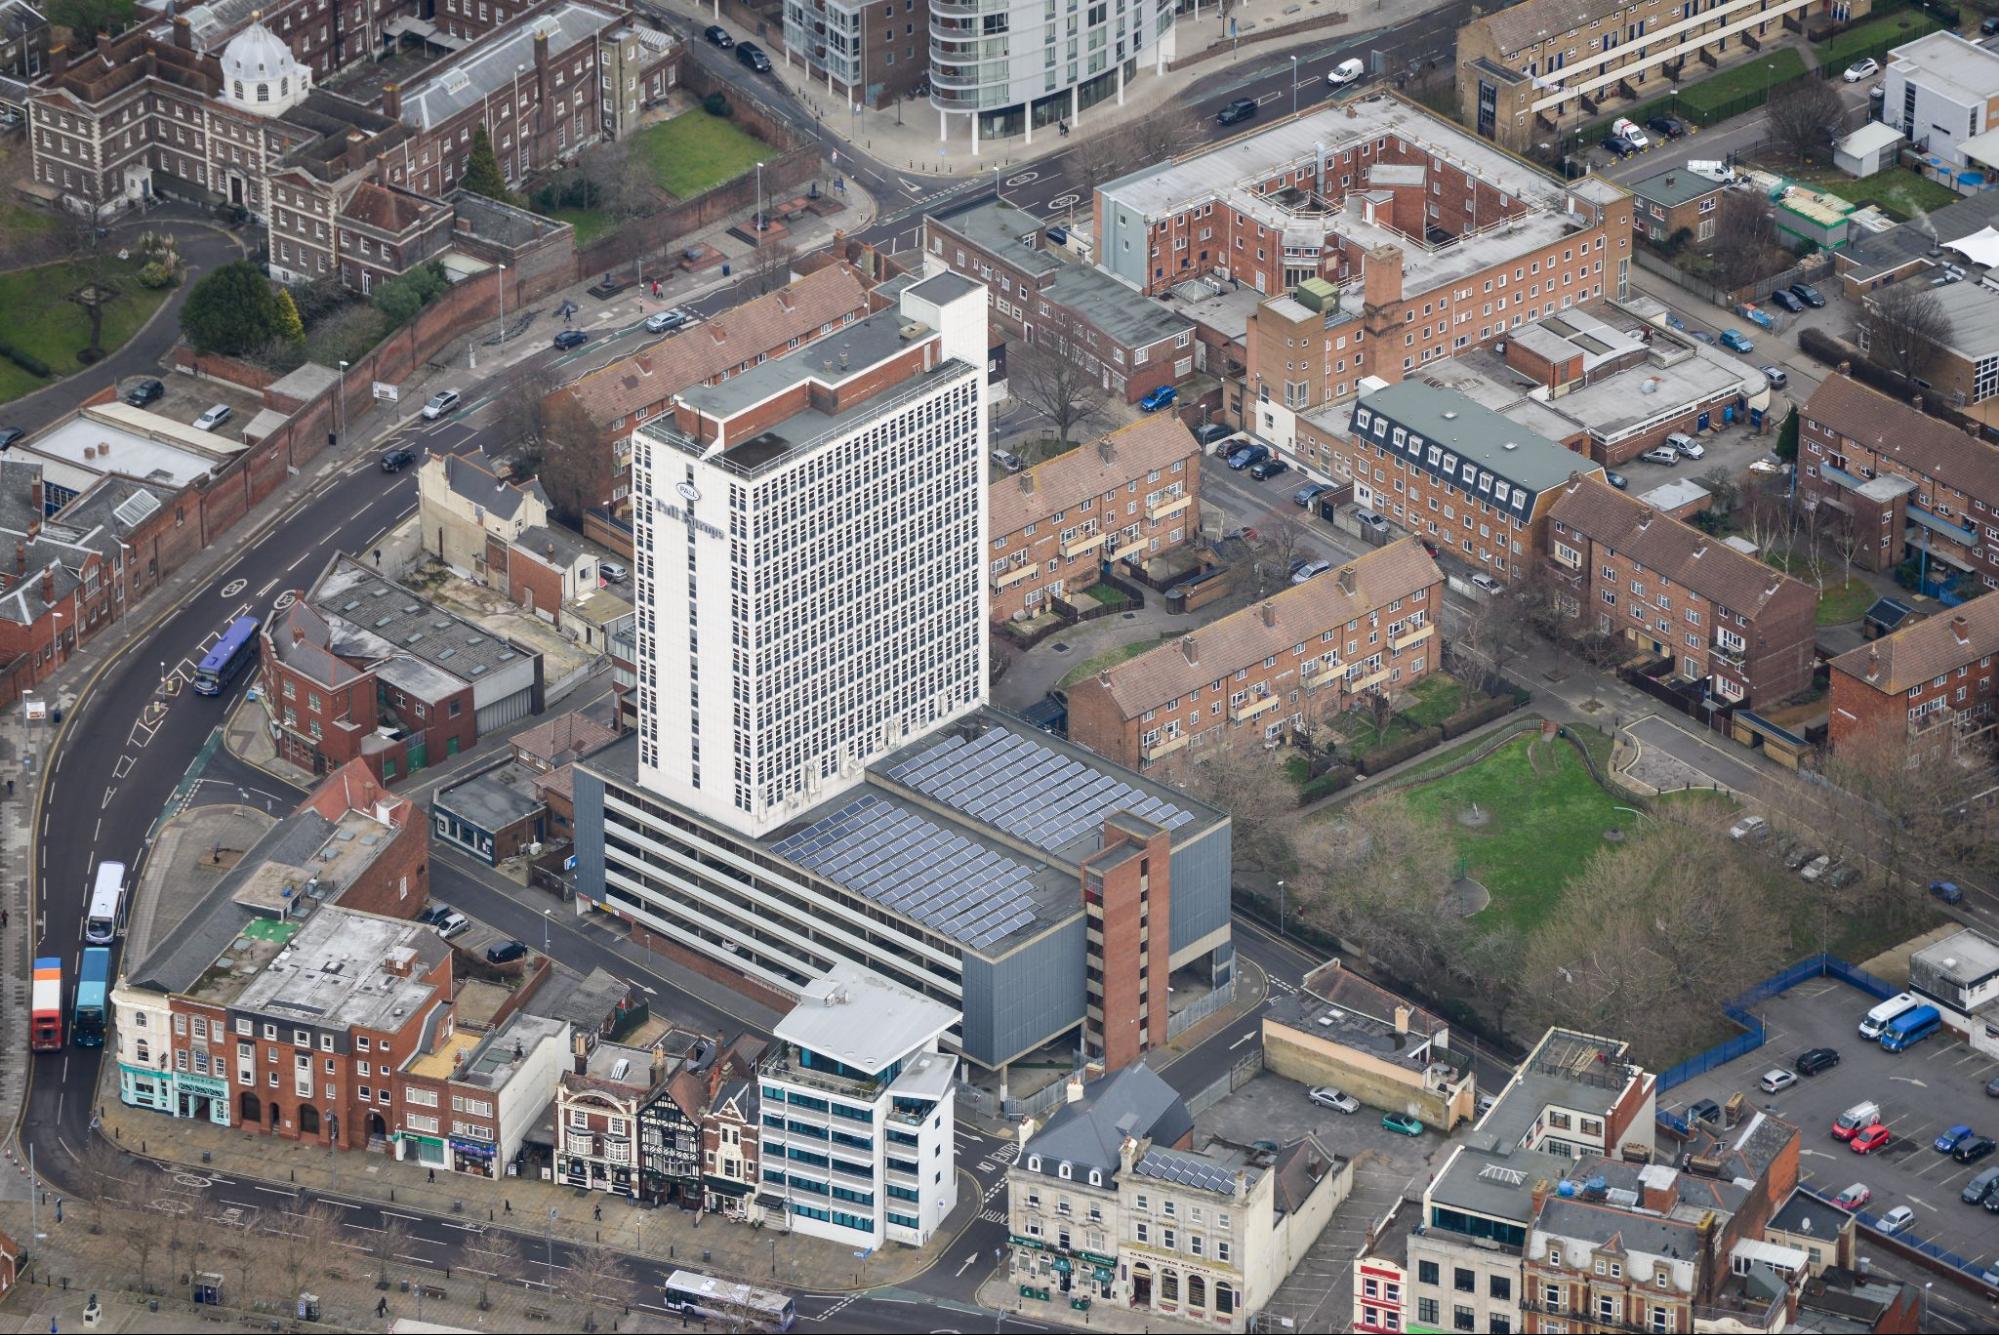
232,311
290,327
482,170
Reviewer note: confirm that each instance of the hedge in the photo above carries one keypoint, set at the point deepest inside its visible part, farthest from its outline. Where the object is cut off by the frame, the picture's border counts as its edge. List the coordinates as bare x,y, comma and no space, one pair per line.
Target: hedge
1462,722
1386,757
27,361
1332,781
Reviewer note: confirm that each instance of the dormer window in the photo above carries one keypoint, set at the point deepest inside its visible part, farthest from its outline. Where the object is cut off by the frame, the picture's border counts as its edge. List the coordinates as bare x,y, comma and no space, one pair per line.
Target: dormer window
1096,1177
1063,1171
1033,1163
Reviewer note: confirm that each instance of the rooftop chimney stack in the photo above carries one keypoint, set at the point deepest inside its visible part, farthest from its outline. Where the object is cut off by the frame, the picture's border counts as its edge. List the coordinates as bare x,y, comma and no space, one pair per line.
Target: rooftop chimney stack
1187,649
1349,580
392,100
1960,629
1270,614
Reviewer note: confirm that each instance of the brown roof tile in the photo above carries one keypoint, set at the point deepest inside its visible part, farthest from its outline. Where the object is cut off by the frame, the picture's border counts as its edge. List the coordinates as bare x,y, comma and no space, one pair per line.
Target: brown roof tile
1524,24
766,325
1928,649
386,210
1299,614
1064,482
1897,431
1680,552
564,737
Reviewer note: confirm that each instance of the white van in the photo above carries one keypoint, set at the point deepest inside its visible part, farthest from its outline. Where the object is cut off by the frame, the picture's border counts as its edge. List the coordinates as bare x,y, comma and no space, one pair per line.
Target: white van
1855,1119
1877,1019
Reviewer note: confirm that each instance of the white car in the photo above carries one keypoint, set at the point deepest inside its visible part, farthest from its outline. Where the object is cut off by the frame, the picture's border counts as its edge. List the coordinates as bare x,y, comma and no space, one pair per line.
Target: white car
1901,1216
1345,72
214,417
1777,1079
1338,1102
1751,828
1310,570
1481,580
440,403
1628,131
1816,868
1861,69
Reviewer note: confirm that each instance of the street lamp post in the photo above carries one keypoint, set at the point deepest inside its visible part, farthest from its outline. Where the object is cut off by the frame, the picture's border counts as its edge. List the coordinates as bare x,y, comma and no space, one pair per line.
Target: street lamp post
1280,908
547,915
340,406
758,226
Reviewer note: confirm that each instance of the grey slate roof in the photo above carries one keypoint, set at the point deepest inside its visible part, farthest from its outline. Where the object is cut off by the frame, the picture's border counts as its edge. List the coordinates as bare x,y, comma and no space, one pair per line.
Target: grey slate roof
1628,1231
555,545
1472,433
587,1002
1086,1134
450,87
468,474
1001,229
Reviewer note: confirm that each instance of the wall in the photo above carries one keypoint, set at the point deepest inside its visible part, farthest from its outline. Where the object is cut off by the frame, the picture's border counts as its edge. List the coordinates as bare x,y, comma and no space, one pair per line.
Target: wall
1311,1060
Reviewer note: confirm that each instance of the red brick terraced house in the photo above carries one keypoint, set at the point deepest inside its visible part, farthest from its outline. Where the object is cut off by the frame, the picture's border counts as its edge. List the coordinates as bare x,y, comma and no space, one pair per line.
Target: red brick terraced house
1740,630
1131,496
607,405
1297,658
1929,684
1911,485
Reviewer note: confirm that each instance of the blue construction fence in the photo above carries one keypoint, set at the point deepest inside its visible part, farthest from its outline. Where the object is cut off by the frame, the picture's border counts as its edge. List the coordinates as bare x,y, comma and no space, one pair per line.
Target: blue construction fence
1753,1034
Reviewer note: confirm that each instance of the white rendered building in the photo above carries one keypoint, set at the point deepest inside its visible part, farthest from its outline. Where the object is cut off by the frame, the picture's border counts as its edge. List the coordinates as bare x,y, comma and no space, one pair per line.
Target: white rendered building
788,524
866,1151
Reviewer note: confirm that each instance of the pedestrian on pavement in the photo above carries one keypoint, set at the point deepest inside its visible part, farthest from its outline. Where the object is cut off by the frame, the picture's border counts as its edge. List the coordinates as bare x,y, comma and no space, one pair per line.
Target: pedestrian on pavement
510,1207
433,1175
58,1209
3,917
381,1307
10,787
596,1212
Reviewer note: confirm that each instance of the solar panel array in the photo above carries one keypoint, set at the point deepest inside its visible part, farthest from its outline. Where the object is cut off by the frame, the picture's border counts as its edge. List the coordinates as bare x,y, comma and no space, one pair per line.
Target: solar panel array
1033,792
901,861
1188,1172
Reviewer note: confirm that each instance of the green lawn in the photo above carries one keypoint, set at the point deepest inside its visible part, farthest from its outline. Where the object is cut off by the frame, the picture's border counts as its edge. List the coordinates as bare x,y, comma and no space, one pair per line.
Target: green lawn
1105,594
589,223
1743,80
40,322
1899,191
1840,604
1434,699
1109,658
1868,38
694,152
1546,817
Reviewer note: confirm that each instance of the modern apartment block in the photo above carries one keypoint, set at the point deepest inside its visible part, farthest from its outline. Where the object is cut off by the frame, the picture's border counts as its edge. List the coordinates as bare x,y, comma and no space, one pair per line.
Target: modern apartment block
1736,630
1300,657
868,54
1525,70
1053,529
1021,65
1928,686
1132,343
605,407
1431,239
1910,485
1941,91
859,1137
1438,464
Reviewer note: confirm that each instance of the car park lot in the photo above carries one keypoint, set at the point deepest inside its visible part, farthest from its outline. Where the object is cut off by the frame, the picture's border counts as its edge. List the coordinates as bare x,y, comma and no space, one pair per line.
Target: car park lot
187,398
1938,1084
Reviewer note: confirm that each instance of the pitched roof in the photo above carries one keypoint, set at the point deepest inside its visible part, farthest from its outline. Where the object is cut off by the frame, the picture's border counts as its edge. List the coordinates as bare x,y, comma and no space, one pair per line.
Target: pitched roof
1086,1134
763,326
1064,482
1524,24
386,210
564,738
1916,653
1297,615
1680,552
1921,443
1301,1167
470,475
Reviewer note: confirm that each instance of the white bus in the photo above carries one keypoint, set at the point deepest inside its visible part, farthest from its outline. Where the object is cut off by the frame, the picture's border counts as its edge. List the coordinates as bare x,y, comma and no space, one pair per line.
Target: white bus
711,1299
107,902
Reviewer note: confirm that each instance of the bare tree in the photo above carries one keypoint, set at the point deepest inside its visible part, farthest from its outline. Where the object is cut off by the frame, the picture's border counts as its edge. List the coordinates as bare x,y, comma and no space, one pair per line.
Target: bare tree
1097,160
1805,118
1490,638
619,172
1280,539
1160,136
1745,237
91,261
1904,328
1848,537
387,1245
770,266
599,1278
575,462
1720,484
527,405
139,1225
501,1256
306,1243
1060,379
1903,804
104,1170
1260,800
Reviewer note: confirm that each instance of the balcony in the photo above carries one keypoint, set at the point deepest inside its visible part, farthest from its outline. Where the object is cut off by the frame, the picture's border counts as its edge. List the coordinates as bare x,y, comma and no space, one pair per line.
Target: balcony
782,1068
1721,653
1367,683
1397,643
1166,508
1135,547
1255,707
1076,546
1166,746
1016,575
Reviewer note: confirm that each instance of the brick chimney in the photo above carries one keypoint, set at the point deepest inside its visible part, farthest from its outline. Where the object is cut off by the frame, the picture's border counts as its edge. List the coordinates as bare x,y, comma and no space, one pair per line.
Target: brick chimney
58,59
20,558
1187,650
579,1052
1383,281
1106,449
1270,614
183,33
1960,629
1644,518
1027,483
1917,403
1873,663
1401,1019
49,586
35,491
1348,580
392,101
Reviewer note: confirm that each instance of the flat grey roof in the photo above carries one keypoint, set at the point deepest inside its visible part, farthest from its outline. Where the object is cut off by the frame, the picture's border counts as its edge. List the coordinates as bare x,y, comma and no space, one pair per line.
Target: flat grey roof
1570,1070
1473,433
491,801
862,1018
1002,230
1973,310
1133,320
942,288
1964,956
1495,1180
1672,187
1946,63
334,972
370,616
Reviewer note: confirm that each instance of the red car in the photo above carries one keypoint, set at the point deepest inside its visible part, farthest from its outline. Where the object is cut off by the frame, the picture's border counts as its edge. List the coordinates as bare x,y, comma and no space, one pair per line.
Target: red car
1873,1138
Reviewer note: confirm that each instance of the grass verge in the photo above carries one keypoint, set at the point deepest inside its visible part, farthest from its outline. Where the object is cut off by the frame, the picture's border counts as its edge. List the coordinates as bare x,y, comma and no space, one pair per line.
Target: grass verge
39,321
695,152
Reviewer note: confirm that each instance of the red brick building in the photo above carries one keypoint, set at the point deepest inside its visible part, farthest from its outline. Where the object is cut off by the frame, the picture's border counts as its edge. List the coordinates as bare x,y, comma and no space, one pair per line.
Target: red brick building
1299,657
1131,496
1929,685
1127,888
1732,626
1909,485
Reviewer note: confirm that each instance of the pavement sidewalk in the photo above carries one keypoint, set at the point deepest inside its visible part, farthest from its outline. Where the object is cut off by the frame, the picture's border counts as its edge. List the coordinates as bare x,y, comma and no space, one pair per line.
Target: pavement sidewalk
904,136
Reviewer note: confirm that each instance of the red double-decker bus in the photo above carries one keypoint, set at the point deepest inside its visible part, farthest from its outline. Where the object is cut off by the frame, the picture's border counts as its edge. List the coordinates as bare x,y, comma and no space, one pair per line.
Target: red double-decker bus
45,1017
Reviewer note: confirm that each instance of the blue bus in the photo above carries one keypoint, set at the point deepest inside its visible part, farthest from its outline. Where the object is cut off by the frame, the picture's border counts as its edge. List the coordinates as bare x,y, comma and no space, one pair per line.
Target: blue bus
93,981
226,661
1911,1027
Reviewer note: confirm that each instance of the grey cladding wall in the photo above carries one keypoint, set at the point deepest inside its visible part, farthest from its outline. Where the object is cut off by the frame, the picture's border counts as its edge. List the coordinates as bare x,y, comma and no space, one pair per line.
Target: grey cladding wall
1031,995
1200,885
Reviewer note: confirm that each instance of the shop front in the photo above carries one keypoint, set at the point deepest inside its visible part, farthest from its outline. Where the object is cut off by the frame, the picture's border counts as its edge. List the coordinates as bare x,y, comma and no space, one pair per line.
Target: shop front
426,1150
473,1156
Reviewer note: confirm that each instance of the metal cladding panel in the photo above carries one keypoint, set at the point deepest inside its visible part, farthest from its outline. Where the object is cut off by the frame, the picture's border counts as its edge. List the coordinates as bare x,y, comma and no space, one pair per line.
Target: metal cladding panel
588,798
1200,886
508,709
1025,998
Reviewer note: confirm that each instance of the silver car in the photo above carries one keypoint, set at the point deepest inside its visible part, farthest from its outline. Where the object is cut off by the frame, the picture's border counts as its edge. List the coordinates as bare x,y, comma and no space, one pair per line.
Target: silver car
1310,570
1327,1097
214,417
440,403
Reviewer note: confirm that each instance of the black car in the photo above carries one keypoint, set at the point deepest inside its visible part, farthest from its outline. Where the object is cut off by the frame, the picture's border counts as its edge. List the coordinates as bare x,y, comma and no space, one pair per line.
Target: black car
1264,468
571,338
1236,112
1818,1059
753,55
1707,1110
1808,294
1989,26
145,392
1614,143
1784,297
1670,126
718,35
1209,432
433,913
1971,1151
506,952
396,460
10,434
1247,455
